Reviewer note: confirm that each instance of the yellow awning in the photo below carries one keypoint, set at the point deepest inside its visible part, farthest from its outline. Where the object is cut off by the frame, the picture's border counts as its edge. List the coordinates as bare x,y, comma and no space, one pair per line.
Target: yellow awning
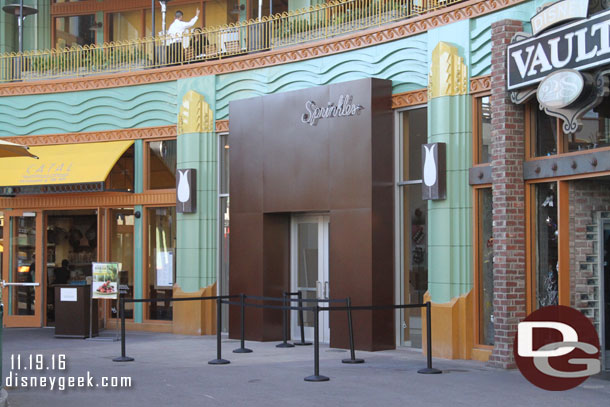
63,164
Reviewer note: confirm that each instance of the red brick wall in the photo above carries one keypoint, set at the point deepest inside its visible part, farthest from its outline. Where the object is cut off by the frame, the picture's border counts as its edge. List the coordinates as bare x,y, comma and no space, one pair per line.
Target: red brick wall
588,201
508,151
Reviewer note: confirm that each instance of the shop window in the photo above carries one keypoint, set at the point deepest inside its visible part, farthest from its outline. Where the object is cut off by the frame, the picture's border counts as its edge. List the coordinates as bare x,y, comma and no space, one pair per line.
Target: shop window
122,223
482,130
485,281
221,12
121,177
161,261
595,131
268,8
414,223
71,242
162,156
546,233
74,30
125,26
543,132
224,220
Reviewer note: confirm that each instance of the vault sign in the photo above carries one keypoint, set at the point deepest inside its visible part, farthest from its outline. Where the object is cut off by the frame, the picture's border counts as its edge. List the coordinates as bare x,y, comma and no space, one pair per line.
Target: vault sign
581,45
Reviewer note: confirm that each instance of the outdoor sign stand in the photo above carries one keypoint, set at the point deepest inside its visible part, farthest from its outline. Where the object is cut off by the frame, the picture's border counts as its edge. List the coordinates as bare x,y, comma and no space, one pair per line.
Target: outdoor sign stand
116,337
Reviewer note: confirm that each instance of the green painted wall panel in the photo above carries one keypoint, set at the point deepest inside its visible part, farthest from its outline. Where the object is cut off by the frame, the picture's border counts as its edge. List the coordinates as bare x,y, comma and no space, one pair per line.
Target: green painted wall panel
196,243
450,220
105,109
403,61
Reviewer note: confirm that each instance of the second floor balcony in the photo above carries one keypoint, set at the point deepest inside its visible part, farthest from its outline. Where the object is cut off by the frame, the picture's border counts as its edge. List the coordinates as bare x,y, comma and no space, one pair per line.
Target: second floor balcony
328,20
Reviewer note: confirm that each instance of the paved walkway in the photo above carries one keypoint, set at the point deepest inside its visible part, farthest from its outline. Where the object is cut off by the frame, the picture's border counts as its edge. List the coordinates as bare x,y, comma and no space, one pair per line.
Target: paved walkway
172,370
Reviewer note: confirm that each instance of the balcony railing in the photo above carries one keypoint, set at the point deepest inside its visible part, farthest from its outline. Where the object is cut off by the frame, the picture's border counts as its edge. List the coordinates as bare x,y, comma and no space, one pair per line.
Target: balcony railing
320,22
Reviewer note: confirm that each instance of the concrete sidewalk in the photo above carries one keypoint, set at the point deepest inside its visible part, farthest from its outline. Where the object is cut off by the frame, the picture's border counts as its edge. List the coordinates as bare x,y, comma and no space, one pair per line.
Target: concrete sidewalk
172,370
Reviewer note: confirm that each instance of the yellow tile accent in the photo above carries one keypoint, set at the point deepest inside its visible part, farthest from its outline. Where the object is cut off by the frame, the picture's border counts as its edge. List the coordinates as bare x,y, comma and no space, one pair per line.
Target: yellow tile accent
448,73
195,114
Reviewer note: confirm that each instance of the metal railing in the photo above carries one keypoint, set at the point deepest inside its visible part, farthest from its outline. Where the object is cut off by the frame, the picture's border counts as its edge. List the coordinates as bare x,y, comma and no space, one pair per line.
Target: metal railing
327,20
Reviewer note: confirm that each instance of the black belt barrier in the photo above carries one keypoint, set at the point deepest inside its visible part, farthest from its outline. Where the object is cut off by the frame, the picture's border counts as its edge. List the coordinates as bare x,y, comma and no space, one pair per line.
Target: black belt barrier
286,298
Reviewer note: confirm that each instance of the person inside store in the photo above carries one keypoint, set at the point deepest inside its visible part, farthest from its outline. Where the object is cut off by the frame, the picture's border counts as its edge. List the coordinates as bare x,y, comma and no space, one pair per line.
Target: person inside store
62,274
175,52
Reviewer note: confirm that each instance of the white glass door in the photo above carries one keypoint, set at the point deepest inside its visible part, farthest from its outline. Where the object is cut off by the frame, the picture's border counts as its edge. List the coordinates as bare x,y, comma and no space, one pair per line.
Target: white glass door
309,271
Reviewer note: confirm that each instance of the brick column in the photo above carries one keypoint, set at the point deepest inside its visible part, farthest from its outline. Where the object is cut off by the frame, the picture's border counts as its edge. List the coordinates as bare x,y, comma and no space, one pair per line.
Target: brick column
508,151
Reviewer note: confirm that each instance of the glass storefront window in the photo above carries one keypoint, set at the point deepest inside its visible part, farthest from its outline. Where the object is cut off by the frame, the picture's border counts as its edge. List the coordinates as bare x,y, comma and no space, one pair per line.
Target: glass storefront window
122,251
74,30
484,130
595,131
547,237
162,156
414,132
161,260
121,177
125,26
543,132
485,267
224,221
268,7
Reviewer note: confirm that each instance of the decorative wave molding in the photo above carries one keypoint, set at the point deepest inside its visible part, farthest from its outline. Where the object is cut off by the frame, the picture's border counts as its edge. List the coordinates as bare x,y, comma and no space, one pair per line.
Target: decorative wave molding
101,110
404,62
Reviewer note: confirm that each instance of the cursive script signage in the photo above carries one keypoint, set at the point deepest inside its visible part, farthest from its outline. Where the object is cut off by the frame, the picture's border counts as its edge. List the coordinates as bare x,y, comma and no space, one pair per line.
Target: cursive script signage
344,107
559,12
580,45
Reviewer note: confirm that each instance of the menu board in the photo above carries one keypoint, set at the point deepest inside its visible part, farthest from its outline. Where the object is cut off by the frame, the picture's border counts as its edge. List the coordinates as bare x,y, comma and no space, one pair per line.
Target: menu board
105,280
165,268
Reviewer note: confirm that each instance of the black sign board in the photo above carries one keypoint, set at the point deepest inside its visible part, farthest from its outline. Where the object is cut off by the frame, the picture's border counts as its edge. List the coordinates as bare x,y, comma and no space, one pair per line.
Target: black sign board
434,172
186,190
581,45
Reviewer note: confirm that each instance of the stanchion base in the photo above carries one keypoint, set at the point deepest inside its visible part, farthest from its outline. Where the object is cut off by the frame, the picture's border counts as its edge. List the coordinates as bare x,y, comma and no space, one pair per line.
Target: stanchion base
123,359
429,370
242,350
285,345
316,378
218,362
302,343
352,361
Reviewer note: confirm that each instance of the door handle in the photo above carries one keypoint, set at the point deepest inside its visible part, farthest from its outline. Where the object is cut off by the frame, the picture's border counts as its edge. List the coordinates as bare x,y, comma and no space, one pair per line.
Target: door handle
326,290
319,290
5,284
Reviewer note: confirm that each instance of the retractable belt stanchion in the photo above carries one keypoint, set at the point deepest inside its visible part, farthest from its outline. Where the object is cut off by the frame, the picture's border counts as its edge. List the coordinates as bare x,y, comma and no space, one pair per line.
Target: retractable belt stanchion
429,369
303,342
123,357
350,329
316,377
242,348
285,343
219,360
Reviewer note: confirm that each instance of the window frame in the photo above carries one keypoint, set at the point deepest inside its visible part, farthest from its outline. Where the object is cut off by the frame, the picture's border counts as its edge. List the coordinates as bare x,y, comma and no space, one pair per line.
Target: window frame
477,134
146,165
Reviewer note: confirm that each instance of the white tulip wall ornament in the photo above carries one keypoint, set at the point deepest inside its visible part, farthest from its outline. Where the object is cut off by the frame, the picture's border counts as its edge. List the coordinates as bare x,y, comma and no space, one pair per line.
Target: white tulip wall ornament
434,182
186,190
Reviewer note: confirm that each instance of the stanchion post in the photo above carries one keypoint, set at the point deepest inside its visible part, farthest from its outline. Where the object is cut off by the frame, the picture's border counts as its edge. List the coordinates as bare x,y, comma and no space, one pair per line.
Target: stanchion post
350,328
242,348
429,369
303,342
285,343
123,357
316,377
219,360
